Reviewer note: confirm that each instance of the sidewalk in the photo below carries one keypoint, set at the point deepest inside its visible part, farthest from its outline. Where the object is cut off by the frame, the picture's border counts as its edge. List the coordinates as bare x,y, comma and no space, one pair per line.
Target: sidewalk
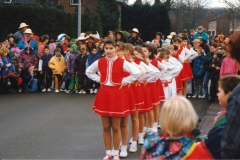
208,117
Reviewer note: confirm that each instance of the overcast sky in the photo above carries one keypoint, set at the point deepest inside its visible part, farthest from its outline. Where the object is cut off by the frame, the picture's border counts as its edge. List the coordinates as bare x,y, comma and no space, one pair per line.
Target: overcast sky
214,3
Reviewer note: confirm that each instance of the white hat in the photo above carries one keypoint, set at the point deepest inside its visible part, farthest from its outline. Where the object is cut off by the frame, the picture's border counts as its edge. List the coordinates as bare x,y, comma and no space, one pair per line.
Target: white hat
135,30
81,37
23,25
28,31
171,35
60,37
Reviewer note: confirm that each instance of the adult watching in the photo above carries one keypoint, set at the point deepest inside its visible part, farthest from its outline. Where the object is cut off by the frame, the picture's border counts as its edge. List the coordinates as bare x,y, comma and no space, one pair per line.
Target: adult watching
20,33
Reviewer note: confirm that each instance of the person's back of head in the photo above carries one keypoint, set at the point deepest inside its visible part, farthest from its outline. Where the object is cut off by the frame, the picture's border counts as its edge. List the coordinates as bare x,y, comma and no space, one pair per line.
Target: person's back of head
178,117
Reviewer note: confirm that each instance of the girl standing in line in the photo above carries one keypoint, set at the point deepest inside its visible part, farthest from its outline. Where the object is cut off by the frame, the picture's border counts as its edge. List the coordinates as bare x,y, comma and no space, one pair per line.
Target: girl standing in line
112,78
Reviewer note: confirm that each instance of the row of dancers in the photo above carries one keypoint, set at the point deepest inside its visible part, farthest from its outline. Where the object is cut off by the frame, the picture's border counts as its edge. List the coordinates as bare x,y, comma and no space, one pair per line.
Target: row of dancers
134,81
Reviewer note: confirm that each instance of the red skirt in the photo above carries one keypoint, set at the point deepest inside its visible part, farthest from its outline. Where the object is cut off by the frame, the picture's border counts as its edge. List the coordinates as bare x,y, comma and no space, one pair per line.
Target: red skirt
154,94
179,84
130,100
147,106
186,72
138,95
160,90
111,101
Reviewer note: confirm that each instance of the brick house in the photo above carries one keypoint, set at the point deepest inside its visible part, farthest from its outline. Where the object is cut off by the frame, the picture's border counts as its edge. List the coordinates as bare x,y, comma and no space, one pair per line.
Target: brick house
220,24
205,20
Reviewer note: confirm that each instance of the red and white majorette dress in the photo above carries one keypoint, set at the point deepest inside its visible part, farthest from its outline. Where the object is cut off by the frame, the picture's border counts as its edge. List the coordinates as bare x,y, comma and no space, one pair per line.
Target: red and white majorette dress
179,67
111,99
168,79
186,73
152,85
162,68
147,105
179,84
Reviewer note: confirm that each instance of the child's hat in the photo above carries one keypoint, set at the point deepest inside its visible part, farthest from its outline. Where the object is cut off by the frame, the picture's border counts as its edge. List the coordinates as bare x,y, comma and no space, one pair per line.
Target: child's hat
10,35
61,37
219,54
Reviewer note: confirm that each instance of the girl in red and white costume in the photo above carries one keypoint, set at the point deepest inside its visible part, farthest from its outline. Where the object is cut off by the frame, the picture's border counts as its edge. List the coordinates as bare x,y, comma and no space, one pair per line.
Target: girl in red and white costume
145,111
154,86
168,78
188,54
112,80
129,89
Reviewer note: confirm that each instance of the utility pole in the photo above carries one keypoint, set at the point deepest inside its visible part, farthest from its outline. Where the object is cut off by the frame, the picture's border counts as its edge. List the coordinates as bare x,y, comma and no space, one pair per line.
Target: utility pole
79,16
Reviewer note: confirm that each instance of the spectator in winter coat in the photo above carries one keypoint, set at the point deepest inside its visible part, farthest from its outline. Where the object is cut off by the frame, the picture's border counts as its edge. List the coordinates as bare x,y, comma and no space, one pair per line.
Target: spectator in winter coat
43,42
135,37
44,69
20,33
70,68
201,34
191,36
28,41
228,67
120,37
28,79
198,74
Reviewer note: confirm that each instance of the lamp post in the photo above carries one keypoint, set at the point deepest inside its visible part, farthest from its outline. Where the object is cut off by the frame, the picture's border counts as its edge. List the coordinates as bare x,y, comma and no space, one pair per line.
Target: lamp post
79,17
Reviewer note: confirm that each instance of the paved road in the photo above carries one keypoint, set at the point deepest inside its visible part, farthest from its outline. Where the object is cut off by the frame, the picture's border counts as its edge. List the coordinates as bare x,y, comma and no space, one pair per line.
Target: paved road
53,126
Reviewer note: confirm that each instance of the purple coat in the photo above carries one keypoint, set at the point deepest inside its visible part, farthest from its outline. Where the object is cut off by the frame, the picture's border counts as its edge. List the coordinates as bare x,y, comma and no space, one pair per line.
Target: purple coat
71,59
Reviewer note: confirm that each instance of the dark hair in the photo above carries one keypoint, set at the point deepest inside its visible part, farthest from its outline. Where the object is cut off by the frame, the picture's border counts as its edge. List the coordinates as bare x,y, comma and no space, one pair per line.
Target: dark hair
213,45
150,49
46,47
234,46
69,45
67,38
44,37
28,48
177,40
57,50
160,34
93,47
184,37
175,48
120,45
110,42
229,82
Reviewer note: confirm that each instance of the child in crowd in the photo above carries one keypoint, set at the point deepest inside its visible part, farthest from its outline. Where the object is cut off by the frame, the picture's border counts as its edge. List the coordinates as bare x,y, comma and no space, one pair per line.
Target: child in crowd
58,65
225,87
223,51
93,86
45,70
73,84
100,49
7,69
178,120
215,71
28,79
198,74
80,69
229,66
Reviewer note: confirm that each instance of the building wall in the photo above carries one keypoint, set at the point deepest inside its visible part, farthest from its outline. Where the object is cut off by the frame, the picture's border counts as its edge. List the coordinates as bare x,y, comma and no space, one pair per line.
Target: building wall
212,27
223,25
204,22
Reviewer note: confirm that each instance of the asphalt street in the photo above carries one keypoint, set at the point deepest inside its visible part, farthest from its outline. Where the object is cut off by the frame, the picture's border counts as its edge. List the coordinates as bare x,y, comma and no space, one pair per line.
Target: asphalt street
54,126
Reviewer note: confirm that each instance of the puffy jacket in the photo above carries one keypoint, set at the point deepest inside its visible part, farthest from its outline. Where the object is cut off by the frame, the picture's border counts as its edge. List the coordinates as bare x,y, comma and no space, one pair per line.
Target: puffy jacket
198,66
57,66
33,44
203,35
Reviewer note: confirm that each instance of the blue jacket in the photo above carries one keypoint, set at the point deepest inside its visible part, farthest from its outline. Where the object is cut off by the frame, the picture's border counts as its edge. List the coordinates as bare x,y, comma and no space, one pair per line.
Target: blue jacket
4,69
91,59
203,35
33,44
45,59
198,66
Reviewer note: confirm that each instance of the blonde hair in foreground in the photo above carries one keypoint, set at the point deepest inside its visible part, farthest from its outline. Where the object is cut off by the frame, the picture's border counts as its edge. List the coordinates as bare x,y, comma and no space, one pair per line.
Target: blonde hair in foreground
177,116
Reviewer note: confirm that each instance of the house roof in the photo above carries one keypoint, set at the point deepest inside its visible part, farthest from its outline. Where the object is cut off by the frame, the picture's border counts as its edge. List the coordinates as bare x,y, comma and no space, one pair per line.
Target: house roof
219,16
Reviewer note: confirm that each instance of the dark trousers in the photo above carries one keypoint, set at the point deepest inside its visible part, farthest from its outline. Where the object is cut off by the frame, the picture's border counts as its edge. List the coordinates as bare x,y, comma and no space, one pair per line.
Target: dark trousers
57,81
214,87
3,85
83,82
93,84
47,79
14,82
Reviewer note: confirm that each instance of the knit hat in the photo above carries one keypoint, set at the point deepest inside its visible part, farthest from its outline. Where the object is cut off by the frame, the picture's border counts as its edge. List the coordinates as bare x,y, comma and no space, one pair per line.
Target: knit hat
10,35
74,48
219,54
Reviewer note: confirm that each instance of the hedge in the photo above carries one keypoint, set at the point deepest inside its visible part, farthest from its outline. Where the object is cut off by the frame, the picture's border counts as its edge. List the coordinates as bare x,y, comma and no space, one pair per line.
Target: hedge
41,19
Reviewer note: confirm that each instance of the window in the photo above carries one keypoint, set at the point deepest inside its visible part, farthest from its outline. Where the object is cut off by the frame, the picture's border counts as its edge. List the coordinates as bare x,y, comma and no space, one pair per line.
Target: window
74,2
8,1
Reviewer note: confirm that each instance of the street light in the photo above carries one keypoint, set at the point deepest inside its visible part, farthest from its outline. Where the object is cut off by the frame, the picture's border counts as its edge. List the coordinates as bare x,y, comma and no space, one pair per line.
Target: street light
79,17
